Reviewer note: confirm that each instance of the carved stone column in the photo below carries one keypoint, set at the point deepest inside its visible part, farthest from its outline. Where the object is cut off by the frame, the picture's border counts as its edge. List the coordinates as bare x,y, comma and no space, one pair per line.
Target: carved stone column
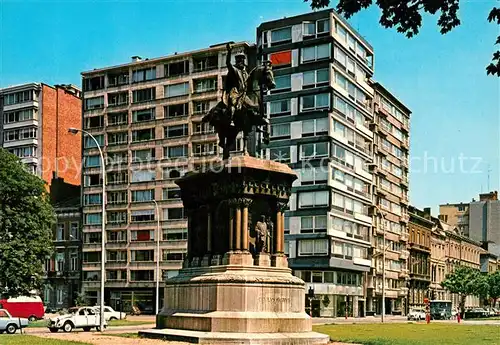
245,203
237,230
231,227
279,259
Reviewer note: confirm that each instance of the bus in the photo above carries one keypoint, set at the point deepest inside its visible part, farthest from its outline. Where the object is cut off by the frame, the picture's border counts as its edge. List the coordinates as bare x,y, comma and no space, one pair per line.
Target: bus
440,310
30,308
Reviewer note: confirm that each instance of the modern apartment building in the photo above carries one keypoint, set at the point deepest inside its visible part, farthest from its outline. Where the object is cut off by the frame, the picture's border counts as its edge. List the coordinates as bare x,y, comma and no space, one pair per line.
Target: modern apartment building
146,115
420,231
456,215
484,221
320,114
391,129
34,122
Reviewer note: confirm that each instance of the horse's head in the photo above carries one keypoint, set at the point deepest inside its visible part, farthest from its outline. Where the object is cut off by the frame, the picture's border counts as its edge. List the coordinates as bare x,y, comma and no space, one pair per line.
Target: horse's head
267,76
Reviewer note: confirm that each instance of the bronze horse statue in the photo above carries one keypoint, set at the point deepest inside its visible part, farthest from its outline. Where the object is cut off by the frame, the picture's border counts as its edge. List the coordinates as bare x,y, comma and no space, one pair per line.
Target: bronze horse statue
250,114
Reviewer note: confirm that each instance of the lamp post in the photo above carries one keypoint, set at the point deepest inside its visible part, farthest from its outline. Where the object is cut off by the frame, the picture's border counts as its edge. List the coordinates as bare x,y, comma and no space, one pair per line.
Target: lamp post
157,257
383,269
103,229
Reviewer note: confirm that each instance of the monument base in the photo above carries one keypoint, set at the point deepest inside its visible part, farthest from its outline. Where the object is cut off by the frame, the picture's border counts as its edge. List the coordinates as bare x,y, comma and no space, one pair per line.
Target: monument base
225,338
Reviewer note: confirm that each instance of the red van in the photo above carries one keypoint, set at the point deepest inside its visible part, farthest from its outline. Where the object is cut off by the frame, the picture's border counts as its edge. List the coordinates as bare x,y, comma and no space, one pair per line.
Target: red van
24,306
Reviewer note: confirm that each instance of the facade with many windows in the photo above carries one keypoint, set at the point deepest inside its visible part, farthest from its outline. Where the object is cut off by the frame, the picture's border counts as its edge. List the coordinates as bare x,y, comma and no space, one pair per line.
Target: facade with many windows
34,122
320,113
147,117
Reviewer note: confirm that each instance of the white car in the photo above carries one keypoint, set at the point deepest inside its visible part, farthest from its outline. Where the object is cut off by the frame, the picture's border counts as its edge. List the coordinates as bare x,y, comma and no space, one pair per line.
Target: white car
416,314
111,314
11,324
78,317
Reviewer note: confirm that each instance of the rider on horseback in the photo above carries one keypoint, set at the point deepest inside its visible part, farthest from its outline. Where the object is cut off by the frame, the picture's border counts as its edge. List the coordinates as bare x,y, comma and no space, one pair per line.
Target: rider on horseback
236,82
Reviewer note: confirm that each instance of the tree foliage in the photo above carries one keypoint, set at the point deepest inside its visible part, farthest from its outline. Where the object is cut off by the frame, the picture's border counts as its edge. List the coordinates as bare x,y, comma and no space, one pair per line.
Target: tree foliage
465,281
493,280
406,17
26,220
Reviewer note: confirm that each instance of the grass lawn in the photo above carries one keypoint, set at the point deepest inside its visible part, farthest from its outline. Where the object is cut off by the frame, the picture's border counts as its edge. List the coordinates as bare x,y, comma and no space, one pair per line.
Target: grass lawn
413,334
129,323
29,339
124,335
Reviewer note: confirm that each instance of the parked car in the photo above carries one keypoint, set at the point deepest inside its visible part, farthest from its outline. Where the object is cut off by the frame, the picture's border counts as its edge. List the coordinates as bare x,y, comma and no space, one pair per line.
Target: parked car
11,324
30,307
111,314
416,314
475,313
78,317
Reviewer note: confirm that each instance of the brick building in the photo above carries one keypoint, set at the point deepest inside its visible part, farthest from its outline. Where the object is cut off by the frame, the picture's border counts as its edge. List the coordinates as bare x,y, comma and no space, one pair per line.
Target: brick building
34,122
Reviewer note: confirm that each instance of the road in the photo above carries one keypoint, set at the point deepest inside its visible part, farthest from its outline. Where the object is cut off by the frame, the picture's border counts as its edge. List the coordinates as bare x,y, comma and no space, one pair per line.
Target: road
394,319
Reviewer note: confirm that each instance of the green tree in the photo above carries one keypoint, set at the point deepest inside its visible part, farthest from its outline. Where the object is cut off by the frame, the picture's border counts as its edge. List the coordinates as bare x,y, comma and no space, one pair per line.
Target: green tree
406,17
465,281
494,286
26,220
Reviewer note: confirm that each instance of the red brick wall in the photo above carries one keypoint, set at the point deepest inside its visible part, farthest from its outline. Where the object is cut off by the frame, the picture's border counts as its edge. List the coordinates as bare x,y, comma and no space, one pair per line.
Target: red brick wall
61,151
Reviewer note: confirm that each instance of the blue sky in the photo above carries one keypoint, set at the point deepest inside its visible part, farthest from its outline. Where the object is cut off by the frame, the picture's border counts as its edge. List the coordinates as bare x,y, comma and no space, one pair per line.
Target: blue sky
456,108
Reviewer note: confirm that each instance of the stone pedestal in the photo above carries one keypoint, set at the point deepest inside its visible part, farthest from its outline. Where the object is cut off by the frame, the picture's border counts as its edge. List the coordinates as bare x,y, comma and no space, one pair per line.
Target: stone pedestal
234,288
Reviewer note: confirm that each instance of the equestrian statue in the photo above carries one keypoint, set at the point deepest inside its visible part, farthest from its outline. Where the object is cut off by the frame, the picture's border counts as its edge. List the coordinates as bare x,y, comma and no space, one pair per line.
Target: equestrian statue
241,107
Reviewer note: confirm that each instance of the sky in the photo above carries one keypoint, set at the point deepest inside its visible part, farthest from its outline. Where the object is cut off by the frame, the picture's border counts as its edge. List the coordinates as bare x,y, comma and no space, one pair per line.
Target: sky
455,122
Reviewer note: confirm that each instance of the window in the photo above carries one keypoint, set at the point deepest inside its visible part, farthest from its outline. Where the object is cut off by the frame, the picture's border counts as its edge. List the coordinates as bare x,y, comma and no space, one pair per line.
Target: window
314,102
175,110
174,172
176,131
175,69
118,78
176,90
173,255
119,217
20,134
202,128
143,155
141,275
314,150
283,82
143,135
93,218
119,98
142,255
19,115
313,175
173,213
92,180
117,138
94,103
117,236
90,143
120,157
281,107
204,149
25,151
143,115
92,199
117,118
280,154
117,197
280,131
313,247
315,53
73,232
18,97
92,161
205,85
201,107
313,199
175,151
205,63
171,193
315,127
281,59
142,215
315,78
142,195
313,224
143,95
60,232
142,175
142,235
283,35
144,74
174,234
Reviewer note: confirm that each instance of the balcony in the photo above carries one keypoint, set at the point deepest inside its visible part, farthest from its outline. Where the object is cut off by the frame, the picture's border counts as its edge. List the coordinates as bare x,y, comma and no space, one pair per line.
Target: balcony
403,237
403,273
404,255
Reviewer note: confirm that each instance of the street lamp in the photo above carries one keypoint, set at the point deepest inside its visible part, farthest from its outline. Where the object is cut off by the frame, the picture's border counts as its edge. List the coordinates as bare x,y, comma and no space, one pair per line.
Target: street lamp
157,257
103,229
